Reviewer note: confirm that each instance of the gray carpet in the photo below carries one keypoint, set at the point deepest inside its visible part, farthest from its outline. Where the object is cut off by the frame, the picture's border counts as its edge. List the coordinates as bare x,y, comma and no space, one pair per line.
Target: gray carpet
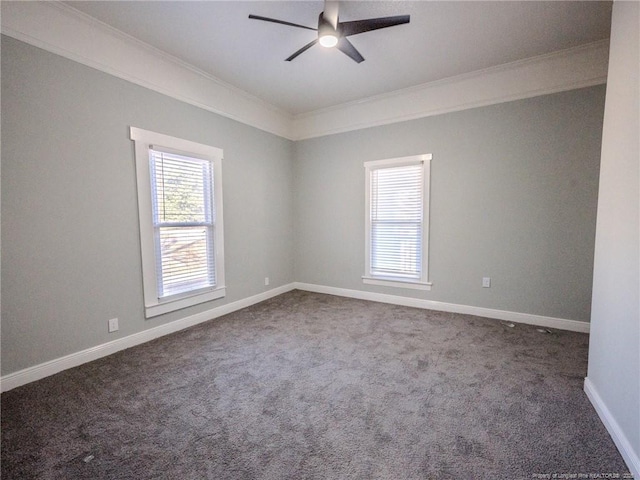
310,386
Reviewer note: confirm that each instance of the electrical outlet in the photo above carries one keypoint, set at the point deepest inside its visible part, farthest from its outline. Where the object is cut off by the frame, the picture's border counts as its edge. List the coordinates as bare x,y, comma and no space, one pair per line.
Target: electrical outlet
113,325
266,280
486,282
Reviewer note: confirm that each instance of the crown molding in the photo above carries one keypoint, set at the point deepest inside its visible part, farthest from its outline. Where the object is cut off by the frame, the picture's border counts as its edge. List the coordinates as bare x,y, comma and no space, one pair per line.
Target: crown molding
65,31
569,69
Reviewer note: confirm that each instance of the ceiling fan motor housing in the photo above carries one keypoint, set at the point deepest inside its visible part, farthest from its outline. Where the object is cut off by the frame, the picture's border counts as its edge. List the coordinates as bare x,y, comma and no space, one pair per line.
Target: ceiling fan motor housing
327,35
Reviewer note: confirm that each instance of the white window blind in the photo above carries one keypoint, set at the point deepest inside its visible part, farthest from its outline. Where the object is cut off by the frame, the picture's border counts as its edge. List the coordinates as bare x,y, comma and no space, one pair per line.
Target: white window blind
396,221
183,222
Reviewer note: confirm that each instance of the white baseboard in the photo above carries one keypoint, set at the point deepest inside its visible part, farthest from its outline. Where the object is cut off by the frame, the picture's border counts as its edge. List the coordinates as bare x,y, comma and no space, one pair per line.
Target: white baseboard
617,434
538,320
52,367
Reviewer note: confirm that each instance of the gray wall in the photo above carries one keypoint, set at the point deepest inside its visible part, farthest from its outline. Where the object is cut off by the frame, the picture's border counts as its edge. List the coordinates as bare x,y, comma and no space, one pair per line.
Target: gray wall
614,346
514,193
70,234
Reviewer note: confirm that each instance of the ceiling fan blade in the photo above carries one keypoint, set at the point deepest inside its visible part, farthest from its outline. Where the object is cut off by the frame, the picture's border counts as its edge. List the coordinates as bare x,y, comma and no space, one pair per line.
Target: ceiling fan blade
282,22
302,50
346,47
330,13
361,26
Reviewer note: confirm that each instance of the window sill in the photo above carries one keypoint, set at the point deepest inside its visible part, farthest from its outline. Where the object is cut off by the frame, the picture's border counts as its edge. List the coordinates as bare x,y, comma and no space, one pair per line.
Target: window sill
387,282
177,304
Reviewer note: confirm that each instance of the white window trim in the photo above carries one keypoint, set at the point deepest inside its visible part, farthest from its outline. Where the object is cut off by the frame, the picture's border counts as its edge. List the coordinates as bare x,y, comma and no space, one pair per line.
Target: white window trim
143,139
423,283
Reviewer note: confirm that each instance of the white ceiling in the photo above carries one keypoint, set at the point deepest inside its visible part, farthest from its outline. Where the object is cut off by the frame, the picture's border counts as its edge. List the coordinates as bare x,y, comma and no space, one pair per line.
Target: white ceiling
444,39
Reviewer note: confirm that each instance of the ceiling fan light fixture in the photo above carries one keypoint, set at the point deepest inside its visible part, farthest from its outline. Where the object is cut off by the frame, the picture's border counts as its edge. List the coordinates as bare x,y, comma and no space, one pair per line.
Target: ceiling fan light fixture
328,40
327,34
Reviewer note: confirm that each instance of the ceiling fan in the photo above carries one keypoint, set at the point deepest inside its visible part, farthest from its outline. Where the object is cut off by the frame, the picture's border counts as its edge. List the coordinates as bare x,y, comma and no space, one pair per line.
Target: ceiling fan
333,33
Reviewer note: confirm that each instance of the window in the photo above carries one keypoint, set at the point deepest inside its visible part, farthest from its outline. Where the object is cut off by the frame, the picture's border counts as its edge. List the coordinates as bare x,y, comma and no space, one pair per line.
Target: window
397,222
181,229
